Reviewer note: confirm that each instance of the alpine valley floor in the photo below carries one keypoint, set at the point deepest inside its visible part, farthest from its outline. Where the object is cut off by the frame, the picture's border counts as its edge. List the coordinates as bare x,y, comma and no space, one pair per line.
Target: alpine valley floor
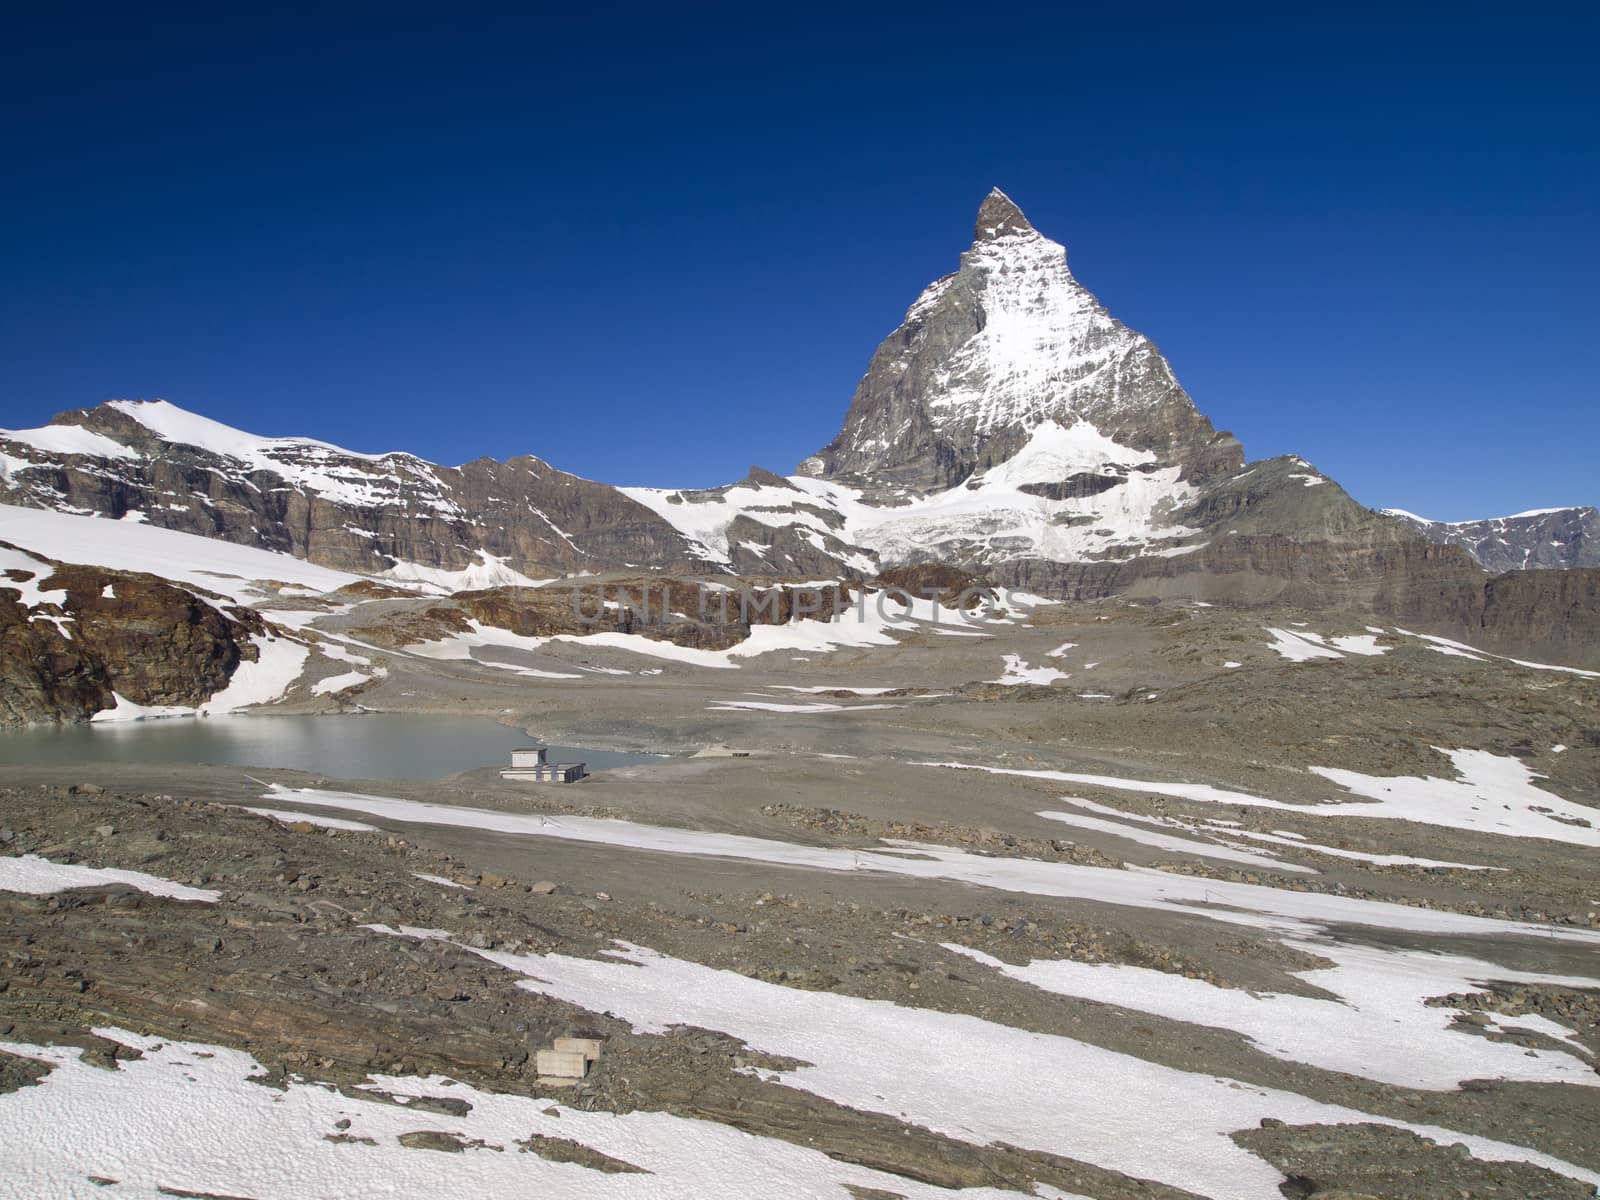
1098,899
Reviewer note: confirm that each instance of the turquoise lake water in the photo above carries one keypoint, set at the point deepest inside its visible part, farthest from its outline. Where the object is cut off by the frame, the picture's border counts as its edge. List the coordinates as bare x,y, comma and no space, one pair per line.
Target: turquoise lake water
367,746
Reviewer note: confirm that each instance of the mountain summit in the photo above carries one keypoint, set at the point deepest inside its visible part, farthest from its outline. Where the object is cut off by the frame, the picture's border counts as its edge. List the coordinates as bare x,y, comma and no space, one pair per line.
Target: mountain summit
988,354
999,216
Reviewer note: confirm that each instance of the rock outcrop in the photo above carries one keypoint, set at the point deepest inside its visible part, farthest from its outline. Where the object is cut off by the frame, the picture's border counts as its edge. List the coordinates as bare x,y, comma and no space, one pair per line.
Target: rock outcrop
71,636
1550,615
705,615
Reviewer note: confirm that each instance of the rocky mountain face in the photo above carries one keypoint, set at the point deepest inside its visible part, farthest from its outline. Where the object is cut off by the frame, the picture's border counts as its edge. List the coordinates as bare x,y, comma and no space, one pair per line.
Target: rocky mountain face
764,525
685,612
481,523
1011,426
987,354
71,636
1550,615
1546,538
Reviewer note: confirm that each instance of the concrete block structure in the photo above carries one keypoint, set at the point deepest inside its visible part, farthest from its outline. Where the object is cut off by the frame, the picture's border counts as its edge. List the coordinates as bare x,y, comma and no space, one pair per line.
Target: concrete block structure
531,764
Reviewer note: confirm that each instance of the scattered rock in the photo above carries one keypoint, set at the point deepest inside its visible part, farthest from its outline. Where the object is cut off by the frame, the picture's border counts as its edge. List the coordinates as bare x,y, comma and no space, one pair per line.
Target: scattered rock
433,1139
565,1150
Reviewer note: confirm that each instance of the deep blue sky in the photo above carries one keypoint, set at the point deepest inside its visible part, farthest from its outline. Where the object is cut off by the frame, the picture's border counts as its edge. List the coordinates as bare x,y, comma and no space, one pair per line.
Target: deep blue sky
656,245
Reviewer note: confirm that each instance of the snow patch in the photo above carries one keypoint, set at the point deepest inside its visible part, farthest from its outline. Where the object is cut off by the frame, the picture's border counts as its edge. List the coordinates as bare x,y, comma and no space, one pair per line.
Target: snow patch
192,1119
440,880
338,683
1019,672
964,1077
1220,900
488,572
30,593
774,706
1495,795
1376,1025
278,665
201,562
1302,645
123,709
1188,847
37,876
289,817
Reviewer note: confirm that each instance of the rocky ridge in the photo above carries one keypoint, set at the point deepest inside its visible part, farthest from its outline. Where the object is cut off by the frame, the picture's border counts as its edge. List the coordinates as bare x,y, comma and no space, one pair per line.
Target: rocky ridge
479,524
1009,427
1549,538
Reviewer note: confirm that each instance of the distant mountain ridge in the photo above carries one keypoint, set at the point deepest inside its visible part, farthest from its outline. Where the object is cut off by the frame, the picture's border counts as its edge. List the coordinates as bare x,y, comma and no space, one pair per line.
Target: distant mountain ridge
478,524
1010,426
1545,538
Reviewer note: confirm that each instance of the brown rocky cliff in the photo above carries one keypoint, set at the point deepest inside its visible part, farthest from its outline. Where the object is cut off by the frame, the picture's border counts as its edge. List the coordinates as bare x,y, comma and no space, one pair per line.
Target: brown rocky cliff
682,611
1552,616
148,640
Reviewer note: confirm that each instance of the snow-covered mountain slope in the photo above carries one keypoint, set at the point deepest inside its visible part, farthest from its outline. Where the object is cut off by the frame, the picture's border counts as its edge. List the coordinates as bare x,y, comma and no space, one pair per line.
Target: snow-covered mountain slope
1071,494
241,573
1545,538
984,356
767,525
113,620
367,513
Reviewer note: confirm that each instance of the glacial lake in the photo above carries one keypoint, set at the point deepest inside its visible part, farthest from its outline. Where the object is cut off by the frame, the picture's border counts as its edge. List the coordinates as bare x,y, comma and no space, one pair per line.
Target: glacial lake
368,746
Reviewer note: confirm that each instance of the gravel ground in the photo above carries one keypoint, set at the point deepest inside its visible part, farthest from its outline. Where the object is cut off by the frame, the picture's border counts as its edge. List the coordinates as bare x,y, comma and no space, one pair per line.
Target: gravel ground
280,966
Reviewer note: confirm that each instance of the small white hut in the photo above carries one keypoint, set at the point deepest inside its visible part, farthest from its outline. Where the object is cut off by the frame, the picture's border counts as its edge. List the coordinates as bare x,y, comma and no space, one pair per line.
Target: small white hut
530,764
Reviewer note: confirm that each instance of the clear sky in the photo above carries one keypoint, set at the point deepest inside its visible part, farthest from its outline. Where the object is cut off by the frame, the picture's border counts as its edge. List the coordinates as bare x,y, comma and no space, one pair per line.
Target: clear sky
657,244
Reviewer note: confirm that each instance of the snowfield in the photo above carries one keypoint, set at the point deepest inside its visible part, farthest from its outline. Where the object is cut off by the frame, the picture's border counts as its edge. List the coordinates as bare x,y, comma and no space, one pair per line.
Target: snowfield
1494,795
872,620
1376,1023
991,513
204,563
967,1078
190,1119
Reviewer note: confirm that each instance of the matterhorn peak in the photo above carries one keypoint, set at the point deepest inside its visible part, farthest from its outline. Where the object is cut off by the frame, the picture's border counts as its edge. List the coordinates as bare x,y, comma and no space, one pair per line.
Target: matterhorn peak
999,216
987,353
